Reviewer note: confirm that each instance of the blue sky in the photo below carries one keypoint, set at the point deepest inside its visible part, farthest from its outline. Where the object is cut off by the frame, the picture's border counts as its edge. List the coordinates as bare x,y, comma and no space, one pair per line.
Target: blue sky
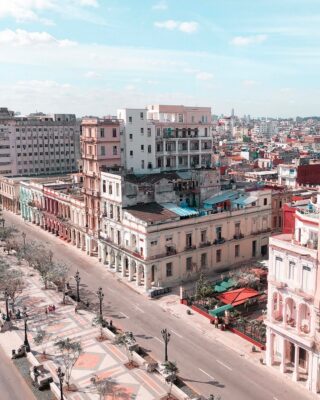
261,57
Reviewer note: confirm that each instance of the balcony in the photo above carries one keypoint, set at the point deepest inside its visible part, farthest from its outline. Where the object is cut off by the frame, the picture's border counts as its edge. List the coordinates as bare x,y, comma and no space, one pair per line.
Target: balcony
205,244
190,247
219,241
238,236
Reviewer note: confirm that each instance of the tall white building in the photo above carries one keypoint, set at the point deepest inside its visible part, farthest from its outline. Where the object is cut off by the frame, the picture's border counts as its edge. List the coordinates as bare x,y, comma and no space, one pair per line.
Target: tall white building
38,144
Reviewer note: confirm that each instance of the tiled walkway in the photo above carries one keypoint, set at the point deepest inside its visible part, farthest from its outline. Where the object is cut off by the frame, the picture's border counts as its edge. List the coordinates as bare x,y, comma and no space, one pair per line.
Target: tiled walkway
102,359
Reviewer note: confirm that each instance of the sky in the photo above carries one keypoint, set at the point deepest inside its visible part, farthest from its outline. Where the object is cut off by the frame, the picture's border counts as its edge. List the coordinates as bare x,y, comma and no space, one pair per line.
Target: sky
91,57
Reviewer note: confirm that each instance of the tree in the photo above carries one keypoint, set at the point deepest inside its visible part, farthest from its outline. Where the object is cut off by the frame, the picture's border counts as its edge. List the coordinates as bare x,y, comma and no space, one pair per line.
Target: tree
7,233
13,280
70,351
171,370
58,274
127,340
103,386
203,288
42,338
39,258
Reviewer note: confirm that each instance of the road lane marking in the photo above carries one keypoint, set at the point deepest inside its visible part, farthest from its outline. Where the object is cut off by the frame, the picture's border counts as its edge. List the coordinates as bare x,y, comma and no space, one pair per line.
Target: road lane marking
224,365
124,314
158,339
178,334
204,372
139,309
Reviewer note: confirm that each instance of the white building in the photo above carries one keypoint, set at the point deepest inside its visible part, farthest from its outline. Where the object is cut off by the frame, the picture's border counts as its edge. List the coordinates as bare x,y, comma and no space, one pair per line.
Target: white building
38,144
293,301
137,140
163,229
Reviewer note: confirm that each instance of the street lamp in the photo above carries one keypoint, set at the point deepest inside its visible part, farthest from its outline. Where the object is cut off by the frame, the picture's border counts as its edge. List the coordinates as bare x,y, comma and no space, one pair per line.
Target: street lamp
60,377
166,338
23,234
78,279
100,295
2,221
26,342
6,297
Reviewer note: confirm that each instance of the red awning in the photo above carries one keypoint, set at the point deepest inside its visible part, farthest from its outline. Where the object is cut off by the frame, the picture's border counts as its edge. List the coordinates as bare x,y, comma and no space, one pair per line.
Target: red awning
237,296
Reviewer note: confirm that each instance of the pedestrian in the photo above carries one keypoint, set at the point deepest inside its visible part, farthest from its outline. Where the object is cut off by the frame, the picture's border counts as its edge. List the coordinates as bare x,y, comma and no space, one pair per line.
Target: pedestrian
111,323
76,309
46,311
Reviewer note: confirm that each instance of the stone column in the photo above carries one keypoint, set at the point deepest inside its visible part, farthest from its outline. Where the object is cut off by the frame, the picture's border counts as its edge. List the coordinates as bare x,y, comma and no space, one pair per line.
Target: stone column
295,375
270,347
138,275
283,356
147,278
123,266
118,262
130,277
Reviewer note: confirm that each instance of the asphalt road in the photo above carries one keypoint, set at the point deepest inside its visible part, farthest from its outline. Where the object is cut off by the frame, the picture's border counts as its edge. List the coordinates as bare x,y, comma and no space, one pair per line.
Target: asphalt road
12,385
207,366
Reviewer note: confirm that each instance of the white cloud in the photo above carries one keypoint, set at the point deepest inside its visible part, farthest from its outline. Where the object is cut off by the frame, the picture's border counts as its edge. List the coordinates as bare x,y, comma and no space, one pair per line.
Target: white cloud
247,40
204,76
161,6
21,37
90,3
249,82
92,75
170,24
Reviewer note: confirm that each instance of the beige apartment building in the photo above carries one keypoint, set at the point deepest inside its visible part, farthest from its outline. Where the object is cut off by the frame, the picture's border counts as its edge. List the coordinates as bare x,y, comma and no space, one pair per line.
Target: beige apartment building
38,144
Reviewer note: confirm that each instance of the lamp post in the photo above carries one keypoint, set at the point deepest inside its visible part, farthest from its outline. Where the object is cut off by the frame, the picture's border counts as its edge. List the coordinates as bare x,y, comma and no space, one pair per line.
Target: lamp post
23,234
166,338
6,297
2,221
100,295
26,342
60,377
78,279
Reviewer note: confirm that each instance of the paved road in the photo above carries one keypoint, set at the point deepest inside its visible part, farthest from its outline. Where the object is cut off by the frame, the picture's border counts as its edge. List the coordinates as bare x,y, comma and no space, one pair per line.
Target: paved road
12,385
206,366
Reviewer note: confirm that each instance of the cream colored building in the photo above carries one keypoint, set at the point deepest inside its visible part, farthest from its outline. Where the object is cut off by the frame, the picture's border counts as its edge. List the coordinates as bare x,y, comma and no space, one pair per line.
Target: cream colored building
147,235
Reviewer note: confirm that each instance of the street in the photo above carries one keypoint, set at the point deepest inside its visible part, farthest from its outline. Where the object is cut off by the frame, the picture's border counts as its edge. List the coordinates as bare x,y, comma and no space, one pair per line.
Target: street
12,385
206,366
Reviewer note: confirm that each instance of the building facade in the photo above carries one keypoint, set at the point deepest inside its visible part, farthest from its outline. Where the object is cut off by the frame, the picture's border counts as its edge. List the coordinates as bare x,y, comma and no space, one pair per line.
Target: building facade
38,144
293,301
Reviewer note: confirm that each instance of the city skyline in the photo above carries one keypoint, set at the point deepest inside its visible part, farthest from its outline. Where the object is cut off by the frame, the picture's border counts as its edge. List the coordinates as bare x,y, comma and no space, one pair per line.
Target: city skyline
94,56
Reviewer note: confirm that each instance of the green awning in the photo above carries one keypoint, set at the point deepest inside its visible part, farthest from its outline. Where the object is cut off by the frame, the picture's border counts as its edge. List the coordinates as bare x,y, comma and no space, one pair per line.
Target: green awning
217,312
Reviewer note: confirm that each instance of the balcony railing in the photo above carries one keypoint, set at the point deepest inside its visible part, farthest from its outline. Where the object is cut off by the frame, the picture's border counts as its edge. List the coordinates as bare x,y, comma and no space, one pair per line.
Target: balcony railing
219,241
238,236
205,244
190,247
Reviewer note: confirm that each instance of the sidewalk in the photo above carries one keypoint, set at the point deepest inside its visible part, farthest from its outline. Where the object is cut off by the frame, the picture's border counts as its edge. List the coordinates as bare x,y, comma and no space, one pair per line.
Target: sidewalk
100,358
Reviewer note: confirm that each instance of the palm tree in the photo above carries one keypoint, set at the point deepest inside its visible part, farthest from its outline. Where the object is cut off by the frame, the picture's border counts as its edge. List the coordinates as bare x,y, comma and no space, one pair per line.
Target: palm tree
171,370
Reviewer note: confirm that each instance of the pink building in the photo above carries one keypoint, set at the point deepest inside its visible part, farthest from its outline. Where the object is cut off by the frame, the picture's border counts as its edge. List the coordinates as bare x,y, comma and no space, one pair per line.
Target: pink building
100,147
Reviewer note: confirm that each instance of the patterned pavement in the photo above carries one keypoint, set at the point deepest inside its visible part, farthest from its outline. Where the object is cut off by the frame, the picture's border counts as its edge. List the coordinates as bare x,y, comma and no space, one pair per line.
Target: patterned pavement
102,359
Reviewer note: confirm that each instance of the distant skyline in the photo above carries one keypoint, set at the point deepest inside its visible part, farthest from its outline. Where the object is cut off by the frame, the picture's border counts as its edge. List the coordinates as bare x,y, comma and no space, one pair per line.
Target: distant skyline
93,56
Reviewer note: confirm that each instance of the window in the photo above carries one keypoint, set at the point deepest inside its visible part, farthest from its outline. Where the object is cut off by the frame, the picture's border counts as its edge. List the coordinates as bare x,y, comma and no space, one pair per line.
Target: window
114,150
203,236
142,164
130,136
141,130
154,242
306,278
291,271
218,255
237,229
188,240
219,232
141,115
111,211
237,250
203,260
131,153
103,151
114,132
117,189
265,201
169,269
110,188
149,148
102,132
104,186
142,147
189,264
130,119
